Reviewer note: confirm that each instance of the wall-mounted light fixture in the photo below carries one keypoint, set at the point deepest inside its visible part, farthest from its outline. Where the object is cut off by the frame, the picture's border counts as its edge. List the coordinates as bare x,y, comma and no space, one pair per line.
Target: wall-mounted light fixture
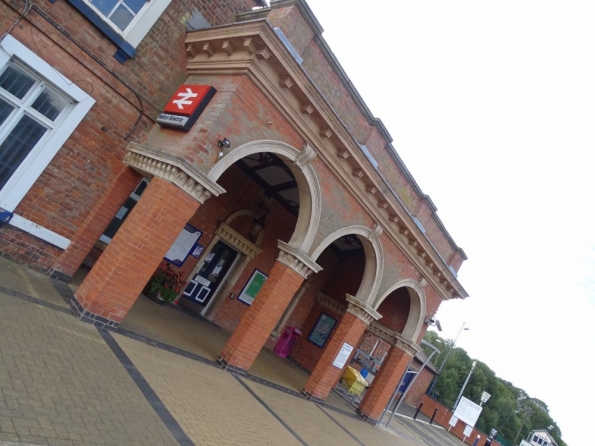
435,322
258,224
223,144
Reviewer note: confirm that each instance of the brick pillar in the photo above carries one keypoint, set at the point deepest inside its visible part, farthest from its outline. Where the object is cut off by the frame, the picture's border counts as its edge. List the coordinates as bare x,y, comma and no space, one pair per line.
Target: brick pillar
350,330
385,382
71,259
134,253
256,325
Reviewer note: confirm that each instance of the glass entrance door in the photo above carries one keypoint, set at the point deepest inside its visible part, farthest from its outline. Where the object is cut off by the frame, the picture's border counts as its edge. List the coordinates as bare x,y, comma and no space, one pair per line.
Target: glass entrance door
205,282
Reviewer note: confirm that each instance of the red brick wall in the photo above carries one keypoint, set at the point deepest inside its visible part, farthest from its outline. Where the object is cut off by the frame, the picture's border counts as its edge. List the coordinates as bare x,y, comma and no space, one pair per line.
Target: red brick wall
299,315
347,278
368,343
418,390
89,160
305,352
395,310
443,416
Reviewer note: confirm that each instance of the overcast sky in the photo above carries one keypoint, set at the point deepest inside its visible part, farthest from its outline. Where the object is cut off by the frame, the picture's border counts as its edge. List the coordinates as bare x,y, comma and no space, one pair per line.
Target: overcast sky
492,107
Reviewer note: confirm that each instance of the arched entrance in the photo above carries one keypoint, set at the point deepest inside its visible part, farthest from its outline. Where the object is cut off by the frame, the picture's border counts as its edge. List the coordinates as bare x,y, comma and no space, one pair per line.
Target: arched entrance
352,258
403,310
170,203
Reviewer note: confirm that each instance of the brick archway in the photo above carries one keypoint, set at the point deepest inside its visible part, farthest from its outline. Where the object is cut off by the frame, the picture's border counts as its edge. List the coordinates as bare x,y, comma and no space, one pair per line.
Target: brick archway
374,266
417,309
304,174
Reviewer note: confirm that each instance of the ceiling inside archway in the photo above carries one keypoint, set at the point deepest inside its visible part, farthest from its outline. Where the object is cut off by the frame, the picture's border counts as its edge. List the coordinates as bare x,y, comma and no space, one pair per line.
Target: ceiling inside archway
278,182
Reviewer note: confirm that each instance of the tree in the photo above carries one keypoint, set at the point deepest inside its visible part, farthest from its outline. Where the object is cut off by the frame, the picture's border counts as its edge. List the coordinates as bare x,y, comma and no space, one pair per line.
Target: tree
501,412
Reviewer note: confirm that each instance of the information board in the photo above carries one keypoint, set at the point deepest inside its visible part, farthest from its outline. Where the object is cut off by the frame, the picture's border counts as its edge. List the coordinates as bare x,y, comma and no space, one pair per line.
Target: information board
343,355
184,244
467,411
252,287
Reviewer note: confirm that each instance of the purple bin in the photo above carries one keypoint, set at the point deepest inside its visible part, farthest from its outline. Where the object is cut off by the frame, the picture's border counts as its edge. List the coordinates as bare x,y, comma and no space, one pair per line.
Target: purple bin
286,341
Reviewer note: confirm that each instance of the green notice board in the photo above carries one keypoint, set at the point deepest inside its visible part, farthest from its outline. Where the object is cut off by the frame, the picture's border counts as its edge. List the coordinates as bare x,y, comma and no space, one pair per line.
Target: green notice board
252,287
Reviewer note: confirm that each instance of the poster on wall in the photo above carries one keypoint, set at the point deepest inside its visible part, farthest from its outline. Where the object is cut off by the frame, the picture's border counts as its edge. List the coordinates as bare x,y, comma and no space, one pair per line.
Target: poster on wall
252,287
322,330
343,356
197,251
183,246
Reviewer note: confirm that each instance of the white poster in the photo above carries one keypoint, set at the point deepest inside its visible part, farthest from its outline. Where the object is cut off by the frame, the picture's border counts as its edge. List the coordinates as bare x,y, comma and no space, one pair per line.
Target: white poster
453,421
183,245
467,411
343,355
468,431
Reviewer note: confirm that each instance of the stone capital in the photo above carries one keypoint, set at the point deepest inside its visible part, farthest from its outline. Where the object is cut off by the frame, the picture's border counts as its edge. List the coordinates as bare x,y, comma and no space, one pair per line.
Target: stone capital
155,163
237,241
361,310
297,260
393,338
330,303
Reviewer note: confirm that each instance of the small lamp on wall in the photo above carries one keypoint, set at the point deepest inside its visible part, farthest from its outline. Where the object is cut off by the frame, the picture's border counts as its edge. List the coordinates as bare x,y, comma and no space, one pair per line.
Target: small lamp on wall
223,144
258,224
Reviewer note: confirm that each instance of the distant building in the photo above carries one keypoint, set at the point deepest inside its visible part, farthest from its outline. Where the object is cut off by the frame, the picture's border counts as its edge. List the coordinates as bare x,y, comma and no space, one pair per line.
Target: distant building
539,437
225,138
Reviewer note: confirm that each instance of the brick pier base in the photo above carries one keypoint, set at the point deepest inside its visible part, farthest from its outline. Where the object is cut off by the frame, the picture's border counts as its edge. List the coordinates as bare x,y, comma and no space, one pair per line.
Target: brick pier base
125,267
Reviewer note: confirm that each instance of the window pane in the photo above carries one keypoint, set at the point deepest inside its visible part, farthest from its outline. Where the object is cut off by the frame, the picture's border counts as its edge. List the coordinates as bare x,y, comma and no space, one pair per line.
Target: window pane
16,81
17,146
135,5
49,104
121,17
5,110
105,6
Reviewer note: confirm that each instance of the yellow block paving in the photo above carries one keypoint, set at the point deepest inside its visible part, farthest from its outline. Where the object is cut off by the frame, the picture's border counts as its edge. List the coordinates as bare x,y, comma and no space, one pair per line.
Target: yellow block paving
374,435
61,384
303,417
27,281
210,405
433,435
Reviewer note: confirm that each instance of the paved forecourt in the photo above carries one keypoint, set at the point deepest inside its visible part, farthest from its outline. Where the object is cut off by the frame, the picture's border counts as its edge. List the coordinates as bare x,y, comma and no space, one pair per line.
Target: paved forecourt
64,382
61,384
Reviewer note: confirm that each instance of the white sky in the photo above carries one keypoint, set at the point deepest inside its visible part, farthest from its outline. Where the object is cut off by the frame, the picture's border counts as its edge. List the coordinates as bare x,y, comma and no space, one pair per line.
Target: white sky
492,107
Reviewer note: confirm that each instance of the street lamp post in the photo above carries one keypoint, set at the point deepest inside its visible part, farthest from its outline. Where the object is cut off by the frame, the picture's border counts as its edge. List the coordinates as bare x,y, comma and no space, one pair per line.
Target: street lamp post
464,385
433,384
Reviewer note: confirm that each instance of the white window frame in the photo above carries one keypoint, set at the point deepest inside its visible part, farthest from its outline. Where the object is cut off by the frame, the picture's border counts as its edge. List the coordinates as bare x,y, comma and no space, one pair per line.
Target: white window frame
142,22
44,151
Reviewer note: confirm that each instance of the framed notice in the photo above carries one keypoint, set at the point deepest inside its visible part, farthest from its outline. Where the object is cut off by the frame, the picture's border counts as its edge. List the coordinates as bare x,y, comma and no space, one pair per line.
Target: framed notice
252,287
343,356
183,246
467,411
197,251
322,330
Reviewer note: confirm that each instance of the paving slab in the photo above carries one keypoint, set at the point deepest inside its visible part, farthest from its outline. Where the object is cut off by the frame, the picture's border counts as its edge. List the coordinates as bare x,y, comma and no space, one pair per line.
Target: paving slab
209,404
61,384
64,382
304,417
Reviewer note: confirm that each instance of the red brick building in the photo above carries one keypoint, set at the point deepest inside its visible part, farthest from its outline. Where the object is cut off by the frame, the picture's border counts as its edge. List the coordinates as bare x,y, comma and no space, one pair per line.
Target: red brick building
284,203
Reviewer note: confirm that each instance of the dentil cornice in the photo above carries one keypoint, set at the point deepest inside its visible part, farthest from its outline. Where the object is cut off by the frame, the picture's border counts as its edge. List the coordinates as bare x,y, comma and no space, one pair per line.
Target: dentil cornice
253,49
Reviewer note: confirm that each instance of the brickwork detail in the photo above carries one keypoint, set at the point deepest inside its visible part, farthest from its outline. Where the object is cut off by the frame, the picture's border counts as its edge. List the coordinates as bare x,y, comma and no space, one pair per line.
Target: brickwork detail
71,259
385,382
260,319
325,376
134,253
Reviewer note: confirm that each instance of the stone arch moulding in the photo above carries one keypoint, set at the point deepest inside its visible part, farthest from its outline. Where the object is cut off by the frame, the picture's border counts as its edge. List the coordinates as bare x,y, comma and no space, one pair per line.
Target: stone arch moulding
417,308
305,177
374,258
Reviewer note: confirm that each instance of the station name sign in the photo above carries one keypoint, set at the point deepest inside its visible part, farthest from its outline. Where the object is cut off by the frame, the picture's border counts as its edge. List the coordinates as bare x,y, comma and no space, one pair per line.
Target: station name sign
185,106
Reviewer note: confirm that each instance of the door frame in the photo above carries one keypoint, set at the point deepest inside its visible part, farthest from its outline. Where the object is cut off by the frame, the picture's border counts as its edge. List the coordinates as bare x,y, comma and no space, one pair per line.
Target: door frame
246,249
